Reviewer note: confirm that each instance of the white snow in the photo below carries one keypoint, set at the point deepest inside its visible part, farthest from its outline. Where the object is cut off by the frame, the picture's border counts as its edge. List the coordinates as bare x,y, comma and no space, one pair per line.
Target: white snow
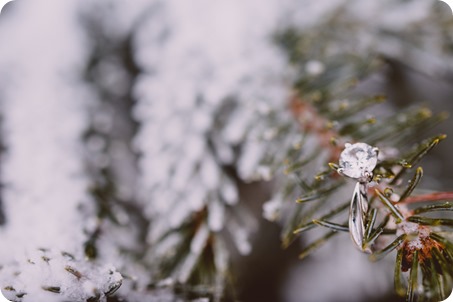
43,122
64,277
199,57
43,108
211,76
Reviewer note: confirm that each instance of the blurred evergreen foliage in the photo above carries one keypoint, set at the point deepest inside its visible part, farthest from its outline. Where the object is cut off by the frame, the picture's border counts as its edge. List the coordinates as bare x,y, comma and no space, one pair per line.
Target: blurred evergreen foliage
176,239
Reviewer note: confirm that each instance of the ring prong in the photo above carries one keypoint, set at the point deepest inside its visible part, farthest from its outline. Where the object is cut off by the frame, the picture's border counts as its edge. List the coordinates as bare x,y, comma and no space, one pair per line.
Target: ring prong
368,176
347,145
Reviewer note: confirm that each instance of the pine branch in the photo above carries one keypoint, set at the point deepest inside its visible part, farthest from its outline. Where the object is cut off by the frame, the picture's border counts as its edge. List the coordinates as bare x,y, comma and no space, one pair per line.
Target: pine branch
60,276
330,114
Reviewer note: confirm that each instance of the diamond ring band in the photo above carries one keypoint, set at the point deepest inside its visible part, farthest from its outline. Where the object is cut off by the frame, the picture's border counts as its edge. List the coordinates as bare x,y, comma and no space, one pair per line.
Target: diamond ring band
357,161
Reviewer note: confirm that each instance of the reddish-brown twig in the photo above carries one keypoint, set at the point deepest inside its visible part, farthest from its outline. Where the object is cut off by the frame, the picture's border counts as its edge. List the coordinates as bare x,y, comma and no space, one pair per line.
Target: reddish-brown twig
437,196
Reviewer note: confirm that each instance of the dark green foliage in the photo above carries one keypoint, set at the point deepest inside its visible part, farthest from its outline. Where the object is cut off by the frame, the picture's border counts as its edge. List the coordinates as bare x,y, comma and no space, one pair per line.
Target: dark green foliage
331,113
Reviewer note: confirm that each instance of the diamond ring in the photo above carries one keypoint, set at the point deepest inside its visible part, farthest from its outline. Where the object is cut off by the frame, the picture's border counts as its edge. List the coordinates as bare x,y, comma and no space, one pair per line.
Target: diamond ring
357,161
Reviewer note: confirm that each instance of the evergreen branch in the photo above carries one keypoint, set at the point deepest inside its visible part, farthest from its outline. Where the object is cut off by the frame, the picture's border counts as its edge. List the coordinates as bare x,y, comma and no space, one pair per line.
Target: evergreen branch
395,212
442,241
377,232
314,113
415,157
333,226
318,193
413,279
372,215
398,281
447,206
384,252
431,221
436,196
413,183
331,214
316,244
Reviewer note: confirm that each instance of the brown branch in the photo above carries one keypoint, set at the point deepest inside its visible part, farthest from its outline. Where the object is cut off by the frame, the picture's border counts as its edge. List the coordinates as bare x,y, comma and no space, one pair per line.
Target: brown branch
427,197
310,120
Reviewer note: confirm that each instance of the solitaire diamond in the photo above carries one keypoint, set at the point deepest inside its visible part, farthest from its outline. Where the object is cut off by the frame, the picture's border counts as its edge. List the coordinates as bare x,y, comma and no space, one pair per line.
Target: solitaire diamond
358,161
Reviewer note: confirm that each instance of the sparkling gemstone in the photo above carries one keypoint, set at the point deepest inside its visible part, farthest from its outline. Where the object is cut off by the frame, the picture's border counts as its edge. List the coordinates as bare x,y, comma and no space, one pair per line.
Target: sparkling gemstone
358,160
